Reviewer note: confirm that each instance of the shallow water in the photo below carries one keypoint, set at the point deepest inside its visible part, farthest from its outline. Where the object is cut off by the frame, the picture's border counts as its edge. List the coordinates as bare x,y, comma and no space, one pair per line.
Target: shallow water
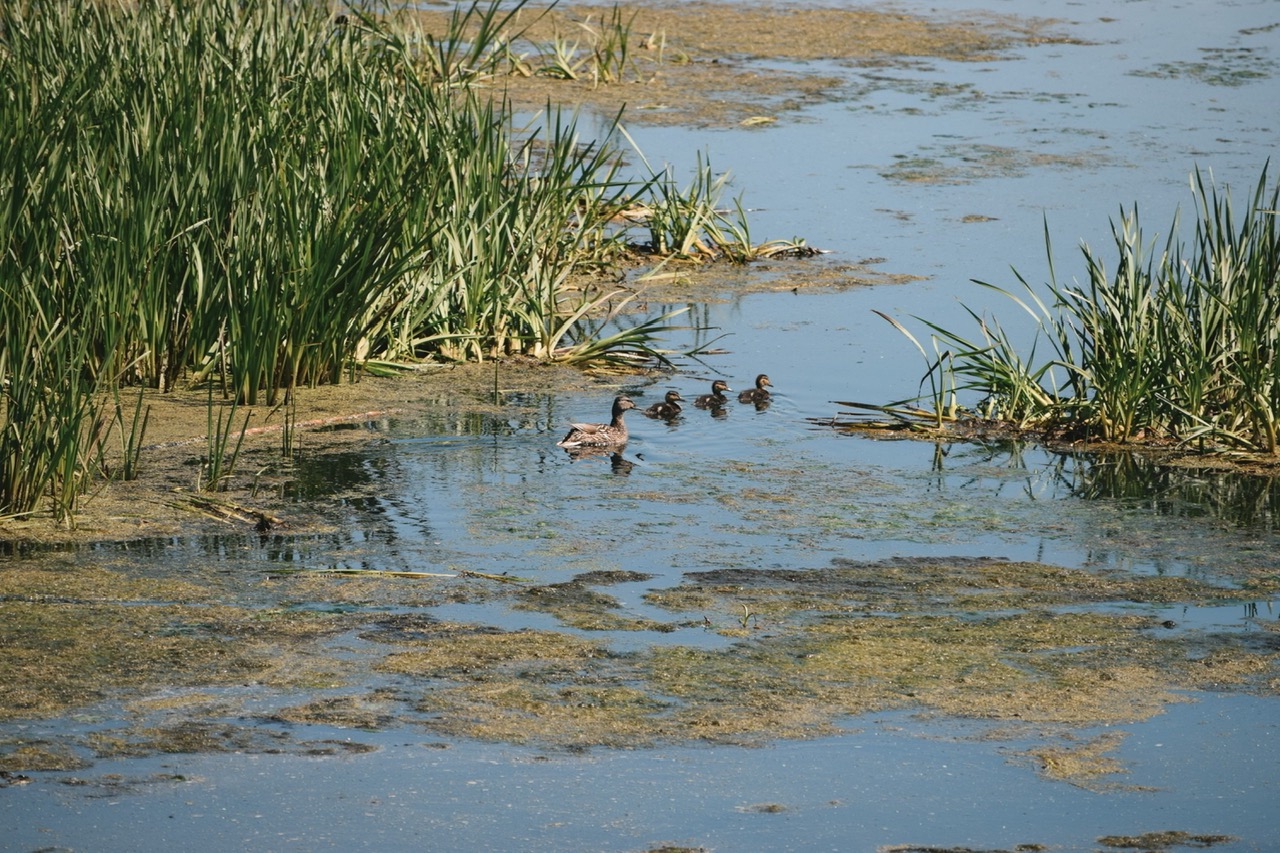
896,780
768,490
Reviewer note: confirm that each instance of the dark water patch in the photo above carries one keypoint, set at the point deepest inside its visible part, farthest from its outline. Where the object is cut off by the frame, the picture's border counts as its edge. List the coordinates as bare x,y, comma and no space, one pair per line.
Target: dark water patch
1030,847
332,474
959,583
1182,490
36,754
418,628
371,711
112,785
23,548
189,736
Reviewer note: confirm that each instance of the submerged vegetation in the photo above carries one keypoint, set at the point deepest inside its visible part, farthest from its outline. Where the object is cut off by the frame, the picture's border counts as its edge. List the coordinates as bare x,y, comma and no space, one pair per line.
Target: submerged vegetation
259,197
1025,651
1180,346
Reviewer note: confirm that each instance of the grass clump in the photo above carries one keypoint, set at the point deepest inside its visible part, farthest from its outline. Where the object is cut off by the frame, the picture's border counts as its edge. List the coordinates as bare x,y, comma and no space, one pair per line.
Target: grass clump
1178,345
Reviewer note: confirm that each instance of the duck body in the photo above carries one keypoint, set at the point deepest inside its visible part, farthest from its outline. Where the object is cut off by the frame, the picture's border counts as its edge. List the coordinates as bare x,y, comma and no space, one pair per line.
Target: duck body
716,398
668,408
611,434
758,394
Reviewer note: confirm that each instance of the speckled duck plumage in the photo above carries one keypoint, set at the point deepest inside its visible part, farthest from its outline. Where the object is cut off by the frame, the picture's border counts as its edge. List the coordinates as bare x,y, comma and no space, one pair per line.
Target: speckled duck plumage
611,434
757,394
716,398
668,408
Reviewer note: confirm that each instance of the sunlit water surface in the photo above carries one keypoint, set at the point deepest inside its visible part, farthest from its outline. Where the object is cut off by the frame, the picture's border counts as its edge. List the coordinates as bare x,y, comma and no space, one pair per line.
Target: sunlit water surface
768,489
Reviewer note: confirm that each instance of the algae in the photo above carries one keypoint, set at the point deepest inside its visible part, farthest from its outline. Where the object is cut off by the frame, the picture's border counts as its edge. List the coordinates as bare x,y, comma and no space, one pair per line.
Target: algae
1034,651
1155,842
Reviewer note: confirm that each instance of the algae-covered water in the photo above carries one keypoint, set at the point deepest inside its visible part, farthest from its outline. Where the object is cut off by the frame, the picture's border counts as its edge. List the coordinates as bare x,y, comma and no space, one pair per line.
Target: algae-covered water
746,631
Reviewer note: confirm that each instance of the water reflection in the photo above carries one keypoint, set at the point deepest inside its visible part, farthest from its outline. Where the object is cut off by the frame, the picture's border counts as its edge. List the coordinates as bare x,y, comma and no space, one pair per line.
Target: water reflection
332,473
620,464
505,498
1179,491
1133,478
310,549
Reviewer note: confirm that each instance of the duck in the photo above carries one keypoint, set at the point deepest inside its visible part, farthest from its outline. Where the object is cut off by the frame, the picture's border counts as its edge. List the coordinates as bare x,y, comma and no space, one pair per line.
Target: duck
668,408
611,434
757,394
716,398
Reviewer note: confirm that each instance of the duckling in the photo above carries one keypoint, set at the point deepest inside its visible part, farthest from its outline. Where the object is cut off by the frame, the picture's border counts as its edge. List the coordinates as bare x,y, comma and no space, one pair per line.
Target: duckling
611,434
668,408
757,394
716,398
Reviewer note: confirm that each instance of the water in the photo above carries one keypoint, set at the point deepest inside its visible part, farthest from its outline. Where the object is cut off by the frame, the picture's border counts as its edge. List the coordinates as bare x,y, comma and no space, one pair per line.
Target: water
768,490
895,781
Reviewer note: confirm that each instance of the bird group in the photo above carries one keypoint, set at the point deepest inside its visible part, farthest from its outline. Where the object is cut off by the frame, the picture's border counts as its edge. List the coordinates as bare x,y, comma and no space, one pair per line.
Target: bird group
615,433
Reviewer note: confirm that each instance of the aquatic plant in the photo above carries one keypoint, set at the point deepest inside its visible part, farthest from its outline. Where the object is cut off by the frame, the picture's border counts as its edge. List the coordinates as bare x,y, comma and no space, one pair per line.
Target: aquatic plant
600,52
477,42
691,224
221,454
130,439
1181,345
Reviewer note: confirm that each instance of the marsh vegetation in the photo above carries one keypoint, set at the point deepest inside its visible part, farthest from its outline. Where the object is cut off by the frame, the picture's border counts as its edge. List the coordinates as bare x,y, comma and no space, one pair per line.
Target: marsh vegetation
406,575
253,199
1177,345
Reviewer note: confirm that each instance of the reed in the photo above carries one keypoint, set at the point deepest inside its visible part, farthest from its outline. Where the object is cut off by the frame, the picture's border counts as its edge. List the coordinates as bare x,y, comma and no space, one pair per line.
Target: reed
1178,344
692,224
600,52
478,42
131,438
221,452
262,197
563,58
611,45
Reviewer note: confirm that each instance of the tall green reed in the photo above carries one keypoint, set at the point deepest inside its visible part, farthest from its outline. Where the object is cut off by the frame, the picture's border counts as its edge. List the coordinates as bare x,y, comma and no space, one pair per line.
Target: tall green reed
690,223
222,445
1181,343
261,196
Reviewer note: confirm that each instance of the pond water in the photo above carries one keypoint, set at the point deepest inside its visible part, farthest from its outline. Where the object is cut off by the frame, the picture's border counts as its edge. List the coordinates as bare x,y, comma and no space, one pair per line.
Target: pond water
1064,134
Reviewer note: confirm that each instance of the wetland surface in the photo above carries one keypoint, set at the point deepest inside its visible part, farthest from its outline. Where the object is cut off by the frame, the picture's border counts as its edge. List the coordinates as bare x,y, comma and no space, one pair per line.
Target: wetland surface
745,631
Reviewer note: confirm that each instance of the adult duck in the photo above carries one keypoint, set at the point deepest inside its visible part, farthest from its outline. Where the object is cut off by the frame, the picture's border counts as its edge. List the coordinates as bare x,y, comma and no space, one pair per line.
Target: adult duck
757,394
668,408
716,399
611,434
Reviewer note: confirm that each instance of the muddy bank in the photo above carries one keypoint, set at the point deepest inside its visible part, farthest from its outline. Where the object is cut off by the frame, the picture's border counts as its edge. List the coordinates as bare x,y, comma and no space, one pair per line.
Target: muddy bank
718,64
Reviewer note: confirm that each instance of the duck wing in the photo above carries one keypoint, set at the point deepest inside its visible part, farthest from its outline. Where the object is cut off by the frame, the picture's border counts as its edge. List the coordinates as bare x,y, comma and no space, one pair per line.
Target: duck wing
579,433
